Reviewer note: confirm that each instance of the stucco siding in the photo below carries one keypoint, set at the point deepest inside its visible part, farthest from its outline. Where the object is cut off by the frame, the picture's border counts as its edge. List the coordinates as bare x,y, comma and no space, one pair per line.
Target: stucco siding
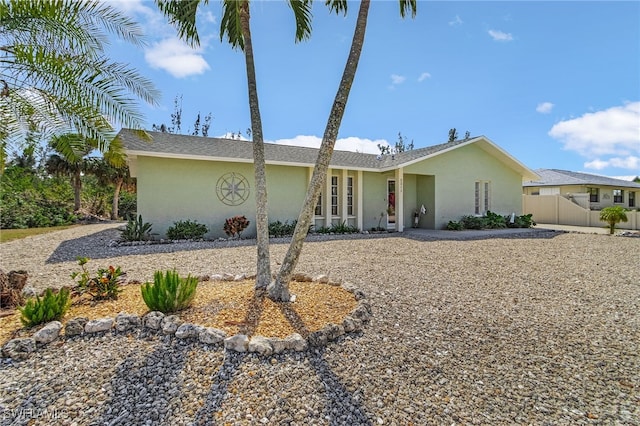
170,190
457,171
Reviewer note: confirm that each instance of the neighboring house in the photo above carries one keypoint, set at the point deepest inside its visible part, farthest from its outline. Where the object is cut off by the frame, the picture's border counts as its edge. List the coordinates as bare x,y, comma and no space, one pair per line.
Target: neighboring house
572,198
209,179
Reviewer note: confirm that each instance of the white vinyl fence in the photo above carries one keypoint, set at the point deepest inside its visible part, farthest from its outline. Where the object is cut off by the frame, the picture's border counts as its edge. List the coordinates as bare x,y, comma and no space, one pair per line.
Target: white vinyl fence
561,210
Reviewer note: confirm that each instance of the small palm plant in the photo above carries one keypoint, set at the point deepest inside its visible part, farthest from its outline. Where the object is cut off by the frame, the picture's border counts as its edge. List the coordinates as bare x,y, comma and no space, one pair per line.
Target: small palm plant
613,215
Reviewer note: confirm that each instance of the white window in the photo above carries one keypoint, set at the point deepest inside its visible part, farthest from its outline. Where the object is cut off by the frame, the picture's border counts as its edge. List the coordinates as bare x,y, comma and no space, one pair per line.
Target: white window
550,191
318,211
350,195
482,197
334,195
618,196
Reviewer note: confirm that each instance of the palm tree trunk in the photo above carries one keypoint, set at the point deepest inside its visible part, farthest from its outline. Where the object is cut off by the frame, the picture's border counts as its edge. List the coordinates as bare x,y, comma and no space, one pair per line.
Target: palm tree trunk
278,290
116,198
77,188
263,273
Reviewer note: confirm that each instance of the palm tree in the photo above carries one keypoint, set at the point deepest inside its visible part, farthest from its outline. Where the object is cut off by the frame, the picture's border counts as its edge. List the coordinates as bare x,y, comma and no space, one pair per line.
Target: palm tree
112,169
235,26
613,215
235,23
278,290
53,70
70,160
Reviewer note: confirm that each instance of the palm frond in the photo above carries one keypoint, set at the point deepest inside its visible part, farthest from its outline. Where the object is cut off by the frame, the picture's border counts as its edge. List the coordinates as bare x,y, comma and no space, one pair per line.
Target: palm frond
302,14
230,23
408,6
182,15
337,6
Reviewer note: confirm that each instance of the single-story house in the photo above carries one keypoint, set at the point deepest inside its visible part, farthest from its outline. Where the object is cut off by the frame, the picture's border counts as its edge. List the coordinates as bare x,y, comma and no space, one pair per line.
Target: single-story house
572,198
210,179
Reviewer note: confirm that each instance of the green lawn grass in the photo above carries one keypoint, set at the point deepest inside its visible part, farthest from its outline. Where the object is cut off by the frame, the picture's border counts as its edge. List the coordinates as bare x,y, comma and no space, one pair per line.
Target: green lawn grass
16,234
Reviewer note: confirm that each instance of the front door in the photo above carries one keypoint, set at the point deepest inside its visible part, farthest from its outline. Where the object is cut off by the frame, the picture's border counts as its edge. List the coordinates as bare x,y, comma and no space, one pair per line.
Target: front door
391,204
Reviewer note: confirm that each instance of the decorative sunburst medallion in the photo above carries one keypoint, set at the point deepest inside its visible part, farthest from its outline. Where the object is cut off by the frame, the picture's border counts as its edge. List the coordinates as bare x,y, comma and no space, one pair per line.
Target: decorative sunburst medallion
232,189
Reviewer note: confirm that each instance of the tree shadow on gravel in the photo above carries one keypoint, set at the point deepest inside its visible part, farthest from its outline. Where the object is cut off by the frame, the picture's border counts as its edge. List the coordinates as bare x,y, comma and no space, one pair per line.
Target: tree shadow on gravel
219,388
342,406
142,387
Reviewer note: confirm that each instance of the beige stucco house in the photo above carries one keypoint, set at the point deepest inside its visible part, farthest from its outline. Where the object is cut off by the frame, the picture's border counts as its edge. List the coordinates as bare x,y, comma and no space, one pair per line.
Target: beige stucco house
210,179
572,198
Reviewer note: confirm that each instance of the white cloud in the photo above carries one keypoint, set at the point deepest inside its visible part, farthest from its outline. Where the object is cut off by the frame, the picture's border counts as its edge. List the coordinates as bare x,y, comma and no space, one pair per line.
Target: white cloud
614,131
424,76
456,21
631,163
397,79
353,144
176,57
544,107
500,36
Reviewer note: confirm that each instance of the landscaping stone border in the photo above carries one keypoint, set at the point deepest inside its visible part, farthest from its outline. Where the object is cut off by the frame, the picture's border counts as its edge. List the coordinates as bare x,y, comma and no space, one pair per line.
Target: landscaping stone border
171,325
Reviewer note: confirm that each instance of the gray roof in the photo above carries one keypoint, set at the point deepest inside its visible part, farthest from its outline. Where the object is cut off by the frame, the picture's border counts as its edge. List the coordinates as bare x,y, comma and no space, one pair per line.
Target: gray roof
170,145
554,177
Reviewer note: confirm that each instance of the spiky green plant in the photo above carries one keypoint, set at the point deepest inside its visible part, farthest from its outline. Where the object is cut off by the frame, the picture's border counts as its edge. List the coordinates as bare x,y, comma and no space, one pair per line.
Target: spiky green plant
168,292
51,306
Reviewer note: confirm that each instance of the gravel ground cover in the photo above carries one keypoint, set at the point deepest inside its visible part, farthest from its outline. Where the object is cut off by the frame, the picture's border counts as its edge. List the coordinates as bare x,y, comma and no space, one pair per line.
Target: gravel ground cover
537,328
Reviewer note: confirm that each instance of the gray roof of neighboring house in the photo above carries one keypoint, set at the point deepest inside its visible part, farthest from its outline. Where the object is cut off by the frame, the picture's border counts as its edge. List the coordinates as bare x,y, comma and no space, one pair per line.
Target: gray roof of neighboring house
554,177
170,145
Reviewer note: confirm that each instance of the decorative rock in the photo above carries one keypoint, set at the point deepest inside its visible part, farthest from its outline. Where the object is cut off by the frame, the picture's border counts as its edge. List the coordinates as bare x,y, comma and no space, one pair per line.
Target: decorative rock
301,278
361,313
153,320
188,331
240,277
321,279
317,338
228,277
125,321
296,342
238,343
216,277
75,326
333,331
29,291
48,333
349,287
348,324
359,295
98,325
170,324
260,345
278,345
19,348
211,335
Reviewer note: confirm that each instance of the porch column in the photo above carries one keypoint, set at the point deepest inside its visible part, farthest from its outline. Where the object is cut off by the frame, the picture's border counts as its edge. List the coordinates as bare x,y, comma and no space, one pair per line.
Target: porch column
359,195
400,199
344,215
327,199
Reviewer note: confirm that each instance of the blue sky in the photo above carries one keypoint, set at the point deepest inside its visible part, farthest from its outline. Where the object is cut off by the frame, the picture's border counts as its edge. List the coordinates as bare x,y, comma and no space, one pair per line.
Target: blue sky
555,84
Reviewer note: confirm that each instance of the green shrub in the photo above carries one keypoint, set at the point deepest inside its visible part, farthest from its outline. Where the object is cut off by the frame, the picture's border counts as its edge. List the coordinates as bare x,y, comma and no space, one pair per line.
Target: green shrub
278,229
186,230
169,292
524,221
472,222
105,285
343,228
51,306
454,226
494,221
136,230
234,226
127,204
